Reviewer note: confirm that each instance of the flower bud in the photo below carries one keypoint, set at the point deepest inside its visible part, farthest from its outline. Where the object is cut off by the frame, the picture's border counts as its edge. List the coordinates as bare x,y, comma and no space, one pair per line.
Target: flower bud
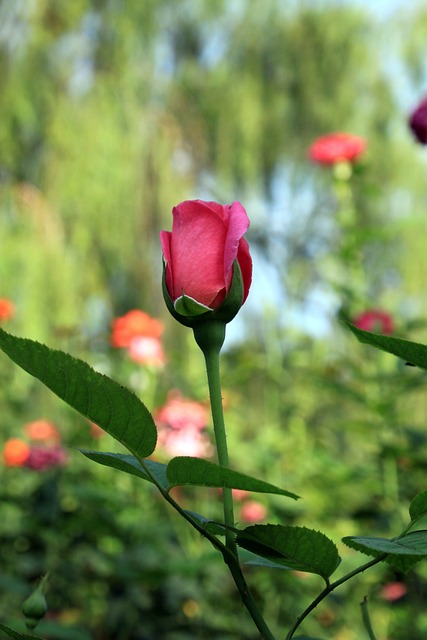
207,265
34,607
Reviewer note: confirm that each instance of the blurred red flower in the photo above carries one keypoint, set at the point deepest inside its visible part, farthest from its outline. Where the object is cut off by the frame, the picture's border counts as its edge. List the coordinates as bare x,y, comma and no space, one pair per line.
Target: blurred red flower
376,321
393,591
15,452
134,324
7,309
418,122
336,147
42,430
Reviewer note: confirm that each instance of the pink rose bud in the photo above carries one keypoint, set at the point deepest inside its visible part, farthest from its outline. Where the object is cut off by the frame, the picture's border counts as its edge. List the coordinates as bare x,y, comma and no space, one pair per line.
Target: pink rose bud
208,268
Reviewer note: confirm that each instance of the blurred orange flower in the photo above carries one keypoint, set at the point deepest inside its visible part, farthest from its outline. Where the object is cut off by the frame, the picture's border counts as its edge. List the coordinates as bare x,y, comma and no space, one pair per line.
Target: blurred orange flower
7,309
132,325
42,430
15,452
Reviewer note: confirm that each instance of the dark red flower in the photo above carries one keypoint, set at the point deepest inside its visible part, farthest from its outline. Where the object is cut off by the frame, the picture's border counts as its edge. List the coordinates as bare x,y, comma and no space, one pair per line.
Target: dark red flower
376,321
42,457
418,122
336,147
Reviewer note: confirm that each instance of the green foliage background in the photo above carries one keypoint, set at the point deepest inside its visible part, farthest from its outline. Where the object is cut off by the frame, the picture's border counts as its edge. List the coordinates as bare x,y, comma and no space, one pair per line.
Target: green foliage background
110,114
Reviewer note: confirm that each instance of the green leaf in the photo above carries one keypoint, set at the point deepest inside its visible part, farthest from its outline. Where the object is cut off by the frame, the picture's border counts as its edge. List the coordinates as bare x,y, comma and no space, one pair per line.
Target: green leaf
412,352
186,470
18,636
403,553
254,560
111,406
129,464
412,544
296,548
418,506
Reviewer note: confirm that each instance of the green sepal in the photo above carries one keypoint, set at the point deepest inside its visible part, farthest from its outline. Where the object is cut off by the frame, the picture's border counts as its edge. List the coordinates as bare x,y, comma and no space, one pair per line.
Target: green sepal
191,313
234,298
188,307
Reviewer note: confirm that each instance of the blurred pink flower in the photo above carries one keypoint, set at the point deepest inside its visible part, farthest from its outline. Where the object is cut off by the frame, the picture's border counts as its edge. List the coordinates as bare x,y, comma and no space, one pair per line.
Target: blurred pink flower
148,351
336,147
181,423
393,591
185,442
239,494
180,413
376,321
43,457
252,511
418,122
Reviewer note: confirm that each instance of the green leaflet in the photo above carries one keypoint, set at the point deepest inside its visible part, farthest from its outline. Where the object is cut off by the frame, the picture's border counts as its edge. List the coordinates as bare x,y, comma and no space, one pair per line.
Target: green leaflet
418,506
111,406
296,548
129,464
18,636
185,470
413,352
403,553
